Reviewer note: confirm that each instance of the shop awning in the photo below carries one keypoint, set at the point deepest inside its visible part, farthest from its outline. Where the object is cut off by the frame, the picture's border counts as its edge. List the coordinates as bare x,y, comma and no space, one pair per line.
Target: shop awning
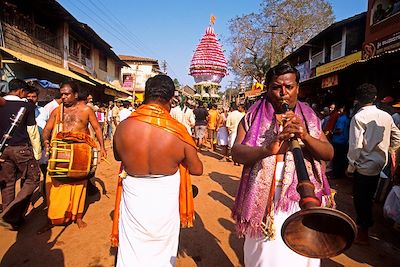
97,81
110,86
338,64
44,65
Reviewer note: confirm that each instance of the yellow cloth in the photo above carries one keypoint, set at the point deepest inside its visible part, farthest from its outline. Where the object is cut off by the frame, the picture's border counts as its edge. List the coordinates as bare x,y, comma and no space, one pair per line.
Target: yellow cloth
212,119
66,202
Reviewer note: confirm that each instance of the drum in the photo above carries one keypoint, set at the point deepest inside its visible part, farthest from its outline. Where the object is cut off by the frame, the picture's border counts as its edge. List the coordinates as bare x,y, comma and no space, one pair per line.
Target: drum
71,161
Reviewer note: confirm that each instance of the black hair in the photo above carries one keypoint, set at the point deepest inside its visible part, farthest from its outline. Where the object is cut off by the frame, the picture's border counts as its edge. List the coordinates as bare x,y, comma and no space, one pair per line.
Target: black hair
281,69
33,89
57,94
74,86
16,84
159,88
366,93
83,95
234,106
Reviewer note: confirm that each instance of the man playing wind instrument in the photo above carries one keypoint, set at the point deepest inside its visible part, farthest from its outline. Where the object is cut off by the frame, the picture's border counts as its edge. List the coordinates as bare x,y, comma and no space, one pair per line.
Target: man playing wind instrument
267,193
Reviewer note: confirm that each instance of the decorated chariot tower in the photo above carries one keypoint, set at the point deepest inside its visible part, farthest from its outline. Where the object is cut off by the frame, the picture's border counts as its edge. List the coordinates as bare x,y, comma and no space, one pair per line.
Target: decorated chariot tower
208,65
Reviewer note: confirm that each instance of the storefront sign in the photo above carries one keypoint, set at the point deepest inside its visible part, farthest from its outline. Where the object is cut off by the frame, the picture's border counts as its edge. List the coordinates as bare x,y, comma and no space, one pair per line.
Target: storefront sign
386,44
128,82
304,70
338,64
330,81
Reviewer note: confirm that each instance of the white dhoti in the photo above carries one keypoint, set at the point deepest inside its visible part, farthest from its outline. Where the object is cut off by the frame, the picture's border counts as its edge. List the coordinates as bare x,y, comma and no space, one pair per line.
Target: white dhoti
222,136
259,252
149,221
231,139
274,253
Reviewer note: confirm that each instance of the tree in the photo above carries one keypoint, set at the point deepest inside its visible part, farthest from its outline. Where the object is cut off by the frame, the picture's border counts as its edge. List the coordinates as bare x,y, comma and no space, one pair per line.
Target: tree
176,83
263,39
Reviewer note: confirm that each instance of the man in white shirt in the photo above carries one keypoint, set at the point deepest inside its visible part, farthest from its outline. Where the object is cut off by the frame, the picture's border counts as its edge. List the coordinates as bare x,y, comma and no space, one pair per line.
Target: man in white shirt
33,97
372,134
184,115
124,112
232,123
48,109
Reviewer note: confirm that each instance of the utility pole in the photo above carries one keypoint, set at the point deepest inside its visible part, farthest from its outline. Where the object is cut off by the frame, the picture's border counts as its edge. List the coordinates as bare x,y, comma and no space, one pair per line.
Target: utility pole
230,91
164,66
272,32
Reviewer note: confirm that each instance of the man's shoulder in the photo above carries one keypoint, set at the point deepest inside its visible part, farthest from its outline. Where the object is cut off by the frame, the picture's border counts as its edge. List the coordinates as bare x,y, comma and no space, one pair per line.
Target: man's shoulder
85,108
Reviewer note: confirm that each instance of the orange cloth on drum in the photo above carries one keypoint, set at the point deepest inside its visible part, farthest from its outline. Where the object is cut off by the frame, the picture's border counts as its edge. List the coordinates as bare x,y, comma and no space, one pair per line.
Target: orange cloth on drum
77,137
157,116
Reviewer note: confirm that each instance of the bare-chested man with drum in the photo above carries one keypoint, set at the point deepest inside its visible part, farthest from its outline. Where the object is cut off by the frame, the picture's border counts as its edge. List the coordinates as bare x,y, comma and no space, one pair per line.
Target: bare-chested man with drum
66,200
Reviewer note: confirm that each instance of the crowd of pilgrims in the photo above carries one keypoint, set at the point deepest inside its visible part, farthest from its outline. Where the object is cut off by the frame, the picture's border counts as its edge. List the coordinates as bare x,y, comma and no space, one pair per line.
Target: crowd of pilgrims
214,126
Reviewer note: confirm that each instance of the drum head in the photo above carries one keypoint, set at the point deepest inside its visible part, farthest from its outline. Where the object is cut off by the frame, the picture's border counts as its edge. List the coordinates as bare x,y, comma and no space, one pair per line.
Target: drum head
319,232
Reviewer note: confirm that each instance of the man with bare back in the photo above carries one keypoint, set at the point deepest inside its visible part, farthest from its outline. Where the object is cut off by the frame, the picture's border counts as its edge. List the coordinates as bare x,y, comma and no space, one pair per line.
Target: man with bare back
158,156
70,121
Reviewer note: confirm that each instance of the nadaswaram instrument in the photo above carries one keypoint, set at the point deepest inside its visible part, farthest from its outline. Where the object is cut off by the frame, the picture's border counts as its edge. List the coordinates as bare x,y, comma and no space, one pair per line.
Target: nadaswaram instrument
314,231
71,161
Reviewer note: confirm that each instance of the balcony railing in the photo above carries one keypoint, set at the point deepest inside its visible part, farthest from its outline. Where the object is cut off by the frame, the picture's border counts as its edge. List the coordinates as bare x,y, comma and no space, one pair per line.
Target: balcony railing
18,40
26,25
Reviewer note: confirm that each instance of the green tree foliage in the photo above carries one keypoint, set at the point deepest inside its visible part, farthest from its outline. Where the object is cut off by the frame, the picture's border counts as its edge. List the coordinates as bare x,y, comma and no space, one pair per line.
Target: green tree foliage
295,22
176,83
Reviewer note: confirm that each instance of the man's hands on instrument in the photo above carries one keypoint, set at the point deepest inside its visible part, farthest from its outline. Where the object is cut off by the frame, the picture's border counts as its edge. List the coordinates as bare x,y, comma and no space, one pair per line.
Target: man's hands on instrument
293,127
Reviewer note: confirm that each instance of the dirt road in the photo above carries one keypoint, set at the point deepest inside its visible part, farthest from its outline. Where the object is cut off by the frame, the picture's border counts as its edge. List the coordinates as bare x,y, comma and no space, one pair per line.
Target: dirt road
211,242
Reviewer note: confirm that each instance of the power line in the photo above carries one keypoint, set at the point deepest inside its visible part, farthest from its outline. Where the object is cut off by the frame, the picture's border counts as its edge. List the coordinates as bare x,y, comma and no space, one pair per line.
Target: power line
127,29
138,49
100,24
137,42
130,33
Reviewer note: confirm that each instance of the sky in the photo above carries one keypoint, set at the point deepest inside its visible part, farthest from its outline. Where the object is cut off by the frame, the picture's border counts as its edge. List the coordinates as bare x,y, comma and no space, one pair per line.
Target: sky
170,30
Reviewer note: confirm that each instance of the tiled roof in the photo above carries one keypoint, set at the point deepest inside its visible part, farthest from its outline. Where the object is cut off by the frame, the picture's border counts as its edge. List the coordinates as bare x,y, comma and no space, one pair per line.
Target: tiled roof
137,59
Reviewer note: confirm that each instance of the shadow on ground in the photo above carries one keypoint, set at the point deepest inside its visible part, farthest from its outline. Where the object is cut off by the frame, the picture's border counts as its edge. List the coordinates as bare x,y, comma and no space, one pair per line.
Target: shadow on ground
31,249
202,246
229,183
384,248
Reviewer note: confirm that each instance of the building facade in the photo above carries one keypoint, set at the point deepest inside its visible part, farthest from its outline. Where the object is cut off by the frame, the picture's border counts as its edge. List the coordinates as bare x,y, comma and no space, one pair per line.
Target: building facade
136,72
326,62
40,40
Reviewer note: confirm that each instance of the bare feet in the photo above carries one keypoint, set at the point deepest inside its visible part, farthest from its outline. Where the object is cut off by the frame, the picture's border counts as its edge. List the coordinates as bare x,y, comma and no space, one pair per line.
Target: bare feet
81,224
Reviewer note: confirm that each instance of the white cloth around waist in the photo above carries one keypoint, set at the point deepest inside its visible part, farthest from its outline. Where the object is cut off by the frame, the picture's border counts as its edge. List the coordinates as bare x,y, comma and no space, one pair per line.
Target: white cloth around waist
259,252
149,221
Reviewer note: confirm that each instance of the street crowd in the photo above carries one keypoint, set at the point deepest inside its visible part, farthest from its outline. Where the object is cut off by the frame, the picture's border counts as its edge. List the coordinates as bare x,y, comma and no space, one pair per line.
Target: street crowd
359,140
